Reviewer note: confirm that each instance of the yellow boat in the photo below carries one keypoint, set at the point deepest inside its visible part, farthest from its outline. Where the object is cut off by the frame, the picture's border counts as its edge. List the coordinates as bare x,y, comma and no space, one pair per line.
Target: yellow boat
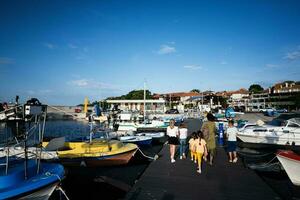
95,153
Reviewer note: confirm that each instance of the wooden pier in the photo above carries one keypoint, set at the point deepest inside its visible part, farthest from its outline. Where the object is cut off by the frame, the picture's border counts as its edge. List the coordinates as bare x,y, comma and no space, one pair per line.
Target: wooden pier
164,180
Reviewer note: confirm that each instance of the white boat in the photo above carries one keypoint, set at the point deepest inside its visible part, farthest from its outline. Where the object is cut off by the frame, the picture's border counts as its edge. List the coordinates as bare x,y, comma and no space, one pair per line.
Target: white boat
291,164
139,140
287,134
153,135
134,126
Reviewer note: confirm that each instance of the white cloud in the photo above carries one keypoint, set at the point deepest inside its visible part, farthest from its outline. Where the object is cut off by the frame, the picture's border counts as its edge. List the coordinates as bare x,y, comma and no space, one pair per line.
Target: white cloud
166,49
72,46
49,45
192,67
39,92
271,66
292,55
223,62
90,84
6,61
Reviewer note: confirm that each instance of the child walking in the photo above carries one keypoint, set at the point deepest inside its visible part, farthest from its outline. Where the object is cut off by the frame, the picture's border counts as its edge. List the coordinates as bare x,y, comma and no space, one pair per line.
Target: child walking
231,135
192,146
201,150
182,140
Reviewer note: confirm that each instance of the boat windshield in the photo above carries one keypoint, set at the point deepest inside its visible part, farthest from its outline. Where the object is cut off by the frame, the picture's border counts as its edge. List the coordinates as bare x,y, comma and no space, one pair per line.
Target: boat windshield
277,122
282,119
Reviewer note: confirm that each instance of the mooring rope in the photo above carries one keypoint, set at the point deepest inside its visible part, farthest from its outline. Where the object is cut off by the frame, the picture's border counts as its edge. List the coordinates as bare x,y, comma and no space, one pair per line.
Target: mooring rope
152,158
268,164
62,191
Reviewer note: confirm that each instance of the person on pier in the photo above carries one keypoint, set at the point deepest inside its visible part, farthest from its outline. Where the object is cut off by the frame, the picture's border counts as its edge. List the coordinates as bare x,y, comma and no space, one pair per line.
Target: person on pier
182,140
231,144
209,131
172,132
200,150
192,146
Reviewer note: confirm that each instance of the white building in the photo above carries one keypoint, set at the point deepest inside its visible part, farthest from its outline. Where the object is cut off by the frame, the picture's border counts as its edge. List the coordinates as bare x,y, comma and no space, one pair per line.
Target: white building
152,105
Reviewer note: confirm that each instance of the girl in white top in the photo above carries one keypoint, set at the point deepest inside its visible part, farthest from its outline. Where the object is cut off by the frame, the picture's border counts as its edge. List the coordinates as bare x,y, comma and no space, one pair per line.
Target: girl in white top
172,132
182,140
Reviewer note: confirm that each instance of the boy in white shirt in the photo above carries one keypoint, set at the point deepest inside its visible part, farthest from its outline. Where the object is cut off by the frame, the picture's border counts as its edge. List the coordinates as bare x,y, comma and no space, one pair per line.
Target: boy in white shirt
232,141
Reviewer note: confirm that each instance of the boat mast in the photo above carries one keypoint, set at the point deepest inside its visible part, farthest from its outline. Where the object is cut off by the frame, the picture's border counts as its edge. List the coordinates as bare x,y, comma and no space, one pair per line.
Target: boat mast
144,102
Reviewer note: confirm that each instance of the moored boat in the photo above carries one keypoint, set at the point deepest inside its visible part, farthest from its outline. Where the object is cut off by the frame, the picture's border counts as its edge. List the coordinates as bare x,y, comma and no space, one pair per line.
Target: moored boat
20,176
95,153
29,182
139,140
291,164
286,135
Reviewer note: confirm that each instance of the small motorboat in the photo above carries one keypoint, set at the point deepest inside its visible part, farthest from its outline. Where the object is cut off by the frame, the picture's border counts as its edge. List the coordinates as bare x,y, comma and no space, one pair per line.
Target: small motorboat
98,152
154,135
23,175
139,140
30,183
291,164
285,135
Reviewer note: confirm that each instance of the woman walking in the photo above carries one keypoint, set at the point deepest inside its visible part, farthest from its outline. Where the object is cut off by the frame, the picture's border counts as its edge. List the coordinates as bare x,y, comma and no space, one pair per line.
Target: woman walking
209,131
172,132
182,140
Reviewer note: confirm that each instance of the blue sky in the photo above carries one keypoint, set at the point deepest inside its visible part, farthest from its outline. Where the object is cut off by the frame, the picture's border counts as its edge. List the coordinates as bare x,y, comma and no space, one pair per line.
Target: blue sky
62,51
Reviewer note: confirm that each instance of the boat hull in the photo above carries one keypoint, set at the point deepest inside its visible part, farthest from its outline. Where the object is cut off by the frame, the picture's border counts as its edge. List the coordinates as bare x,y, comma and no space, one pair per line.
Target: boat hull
41,194
113,160
291,164
266,142
37,186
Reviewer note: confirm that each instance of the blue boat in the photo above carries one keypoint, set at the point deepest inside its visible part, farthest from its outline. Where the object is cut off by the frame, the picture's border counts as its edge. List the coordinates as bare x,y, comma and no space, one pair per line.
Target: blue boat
138,140
22,174
29,182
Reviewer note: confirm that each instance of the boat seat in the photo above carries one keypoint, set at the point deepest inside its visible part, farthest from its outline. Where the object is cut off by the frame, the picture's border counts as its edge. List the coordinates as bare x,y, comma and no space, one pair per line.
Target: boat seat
56,144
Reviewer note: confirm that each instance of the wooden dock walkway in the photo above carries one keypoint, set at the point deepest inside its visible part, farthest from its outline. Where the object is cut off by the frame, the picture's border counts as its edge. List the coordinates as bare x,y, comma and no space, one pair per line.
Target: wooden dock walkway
164,180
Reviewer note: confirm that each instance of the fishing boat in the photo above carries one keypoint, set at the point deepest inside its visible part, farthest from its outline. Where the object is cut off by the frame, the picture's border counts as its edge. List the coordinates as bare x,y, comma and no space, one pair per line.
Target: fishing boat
139,140
26,176
97,152
291,164
33,182
284,135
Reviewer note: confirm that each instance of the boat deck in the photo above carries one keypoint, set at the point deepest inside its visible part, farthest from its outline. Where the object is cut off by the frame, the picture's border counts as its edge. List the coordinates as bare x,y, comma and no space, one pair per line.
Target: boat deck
164,180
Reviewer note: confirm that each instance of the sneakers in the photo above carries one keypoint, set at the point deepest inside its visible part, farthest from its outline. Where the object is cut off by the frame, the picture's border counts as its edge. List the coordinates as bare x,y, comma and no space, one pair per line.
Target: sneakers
235,160
199,171
230,160
180,157
172,161
183,156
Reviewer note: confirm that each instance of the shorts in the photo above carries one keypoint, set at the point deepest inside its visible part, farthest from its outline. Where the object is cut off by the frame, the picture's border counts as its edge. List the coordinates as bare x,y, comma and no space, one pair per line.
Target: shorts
231,146
173,140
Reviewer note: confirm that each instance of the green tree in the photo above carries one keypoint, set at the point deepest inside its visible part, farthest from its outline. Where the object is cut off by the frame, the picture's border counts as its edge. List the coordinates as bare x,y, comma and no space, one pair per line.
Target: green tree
255,88
134,95
195,90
